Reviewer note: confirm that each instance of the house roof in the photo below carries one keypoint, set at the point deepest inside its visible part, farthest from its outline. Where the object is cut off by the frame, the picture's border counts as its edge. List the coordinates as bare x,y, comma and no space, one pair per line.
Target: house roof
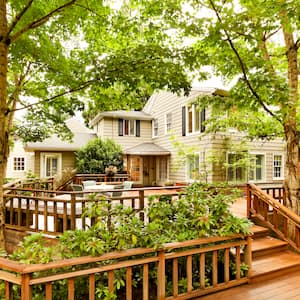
146,149
81,136
116,114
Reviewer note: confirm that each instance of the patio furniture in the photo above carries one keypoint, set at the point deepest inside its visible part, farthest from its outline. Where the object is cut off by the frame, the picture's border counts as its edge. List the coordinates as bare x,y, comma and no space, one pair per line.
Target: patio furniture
87,183
127,185
77,188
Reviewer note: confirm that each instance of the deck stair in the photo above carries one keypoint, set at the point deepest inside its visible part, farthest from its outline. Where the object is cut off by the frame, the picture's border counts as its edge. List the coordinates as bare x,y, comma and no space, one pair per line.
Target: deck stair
271,256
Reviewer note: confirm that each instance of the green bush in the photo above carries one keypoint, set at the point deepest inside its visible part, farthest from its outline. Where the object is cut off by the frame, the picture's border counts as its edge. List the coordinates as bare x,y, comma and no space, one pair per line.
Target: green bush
97,155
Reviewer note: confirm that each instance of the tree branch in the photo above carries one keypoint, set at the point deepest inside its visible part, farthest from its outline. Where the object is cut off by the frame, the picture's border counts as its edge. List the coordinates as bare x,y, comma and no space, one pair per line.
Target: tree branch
19,16
41,21
53,98
242,65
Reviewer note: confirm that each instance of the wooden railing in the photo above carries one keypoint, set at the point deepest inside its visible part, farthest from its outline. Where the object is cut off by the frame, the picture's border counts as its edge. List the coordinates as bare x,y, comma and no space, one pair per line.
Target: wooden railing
270,211
101,178
53,212
174,263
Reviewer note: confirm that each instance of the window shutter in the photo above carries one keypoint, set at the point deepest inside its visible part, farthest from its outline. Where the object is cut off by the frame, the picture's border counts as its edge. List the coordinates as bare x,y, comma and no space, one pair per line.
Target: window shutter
137,128
202,120
183,120
121,127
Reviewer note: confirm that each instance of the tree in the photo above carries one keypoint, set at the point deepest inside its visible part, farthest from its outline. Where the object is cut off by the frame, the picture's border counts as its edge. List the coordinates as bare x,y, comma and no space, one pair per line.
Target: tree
56,54
97,155
253,44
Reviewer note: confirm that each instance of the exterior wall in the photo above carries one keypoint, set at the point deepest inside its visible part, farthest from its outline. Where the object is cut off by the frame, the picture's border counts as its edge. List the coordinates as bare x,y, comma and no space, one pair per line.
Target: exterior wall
109,127
168,102
18,151
68,160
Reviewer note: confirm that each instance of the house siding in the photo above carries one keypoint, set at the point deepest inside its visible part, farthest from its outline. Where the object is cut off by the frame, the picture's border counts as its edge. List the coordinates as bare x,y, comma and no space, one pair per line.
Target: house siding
110,128
68,160
158,107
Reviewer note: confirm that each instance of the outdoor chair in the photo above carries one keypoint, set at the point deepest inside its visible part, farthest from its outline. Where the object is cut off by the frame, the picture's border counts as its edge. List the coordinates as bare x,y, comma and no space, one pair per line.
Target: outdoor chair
77,188
127,185
87,183
117,193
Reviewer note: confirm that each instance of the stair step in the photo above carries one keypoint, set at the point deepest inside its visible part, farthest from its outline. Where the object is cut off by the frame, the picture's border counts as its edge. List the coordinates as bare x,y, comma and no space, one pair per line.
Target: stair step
267,245
277,264
259,231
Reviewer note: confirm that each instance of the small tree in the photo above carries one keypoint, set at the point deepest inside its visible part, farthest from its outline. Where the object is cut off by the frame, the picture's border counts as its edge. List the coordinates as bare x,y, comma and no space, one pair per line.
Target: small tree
97,155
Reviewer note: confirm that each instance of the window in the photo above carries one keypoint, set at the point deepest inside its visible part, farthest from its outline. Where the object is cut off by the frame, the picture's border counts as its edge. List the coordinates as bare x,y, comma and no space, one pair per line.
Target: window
51,164
19,163
192,165
195,119
162,170
128,127
277,166
257,167
155,127
168,122
236,171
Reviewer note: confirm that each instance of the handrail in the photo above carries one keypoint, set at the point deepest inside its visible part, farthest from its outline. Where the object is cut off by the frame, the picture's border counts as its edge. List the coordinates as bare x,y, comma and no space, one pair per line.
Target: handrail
143,261
284,222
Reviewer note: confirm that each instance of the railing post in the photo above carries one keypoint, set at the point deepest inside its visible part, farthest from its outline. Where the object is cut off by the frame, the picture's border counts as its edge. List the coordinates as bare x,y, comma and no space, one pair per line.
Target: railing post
248,256
26,292
142,203
248,196
73,211
161,275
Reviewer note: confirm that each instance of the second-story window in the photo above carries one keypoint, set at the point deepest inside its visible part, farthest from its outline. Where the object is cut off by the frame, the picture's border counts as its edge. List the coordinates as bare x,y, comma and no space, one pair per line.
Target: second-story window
168,122
155,127
195,118
129,127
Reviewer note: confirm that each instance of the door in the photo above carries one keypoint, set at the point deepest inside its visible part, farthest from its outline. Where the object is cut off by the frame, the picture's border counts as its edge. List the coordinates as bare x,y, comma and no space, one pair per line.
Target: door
136,169
50,164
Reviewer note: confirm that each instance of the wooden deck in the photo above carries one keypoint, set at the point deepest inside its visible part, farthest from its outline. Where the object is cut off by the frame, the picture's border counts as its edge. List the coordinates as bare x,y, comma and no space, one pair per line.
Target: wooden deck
285,287
282,287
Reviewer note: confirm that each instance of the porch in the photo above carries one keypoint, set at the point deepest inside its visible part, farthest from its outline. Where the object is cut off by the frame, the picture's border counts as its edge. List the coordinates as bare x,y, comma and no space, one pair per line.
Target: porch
257,204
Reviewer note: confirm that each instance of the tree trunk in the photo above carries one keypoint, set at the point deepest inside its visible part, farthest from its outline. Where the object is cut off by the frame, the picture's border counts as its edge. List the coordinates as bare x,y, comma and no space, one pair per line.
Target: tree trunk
292,182
4,44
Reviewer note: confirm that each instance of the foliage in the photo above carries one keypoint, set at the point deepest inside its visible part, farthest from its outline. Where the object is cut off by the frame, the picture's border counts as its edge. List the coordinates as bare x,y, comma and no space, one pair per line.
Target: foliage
97,155
202,212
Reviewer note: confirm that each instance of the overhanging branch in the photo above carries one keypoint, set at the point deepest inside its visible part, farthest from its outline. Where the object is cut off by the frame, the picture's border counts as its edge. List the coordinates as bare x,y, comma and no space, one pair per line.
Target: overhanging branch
42,20
242,65
18,17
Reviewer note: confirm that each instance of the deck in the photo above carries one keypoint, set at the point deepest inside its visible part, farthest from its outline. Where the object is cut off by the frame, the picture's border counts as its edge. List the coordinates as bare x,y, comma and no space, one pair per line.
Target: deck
286,287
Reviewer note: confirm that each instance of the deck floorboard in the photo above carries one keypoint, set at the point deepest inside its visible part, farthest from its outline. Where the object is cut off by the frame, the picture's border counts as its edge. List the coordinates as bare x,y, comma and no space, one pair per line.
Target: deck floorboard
285,287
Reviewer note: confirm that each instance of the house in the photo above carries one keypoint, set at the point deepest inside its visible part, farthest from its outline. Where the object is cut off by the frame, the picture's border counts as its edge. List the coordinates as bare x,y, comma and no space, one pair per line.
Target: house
166,141
54,155
20,162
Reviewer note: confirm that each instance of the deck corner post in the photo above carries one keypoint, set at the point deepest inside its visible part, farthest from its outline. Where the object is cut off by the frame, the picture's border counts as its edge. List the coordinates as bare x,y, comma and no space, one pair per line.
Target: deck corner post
161,286
26,291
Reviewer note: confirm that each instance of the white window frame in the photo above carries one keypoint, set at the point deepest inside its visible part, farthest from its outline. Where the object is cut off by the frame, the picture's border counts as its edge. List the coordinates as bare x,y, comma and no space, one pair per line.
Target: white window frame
234,180
129,127
43,157
155,127
19,157
263,167
188,177
281,167
195,112
168,122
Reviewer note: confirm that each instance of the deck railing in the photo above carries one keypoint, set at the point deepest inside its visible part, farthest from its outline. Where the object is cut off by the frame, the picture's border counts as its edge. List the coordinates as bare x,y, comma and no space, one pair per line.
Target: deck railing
147,273
53,212
270,211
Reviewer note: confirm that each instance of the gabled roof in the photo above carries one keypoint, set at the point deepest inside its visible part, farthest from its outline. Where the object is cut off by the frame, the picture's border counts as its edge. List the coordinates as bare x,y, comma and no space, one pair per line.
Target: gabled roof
82,135
146,149
116,114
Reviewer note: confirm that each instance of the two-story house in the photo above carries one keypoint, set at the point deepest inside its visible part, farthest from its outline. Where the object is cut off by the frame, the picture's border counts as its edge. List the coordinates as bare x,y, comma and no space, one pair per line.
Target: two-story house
166,142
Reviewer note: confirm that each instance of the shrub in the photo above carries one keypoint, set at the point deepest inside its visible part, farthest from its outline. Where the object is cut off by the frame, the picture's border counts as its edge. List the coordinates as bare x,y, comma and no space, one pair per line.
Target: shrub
97,155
